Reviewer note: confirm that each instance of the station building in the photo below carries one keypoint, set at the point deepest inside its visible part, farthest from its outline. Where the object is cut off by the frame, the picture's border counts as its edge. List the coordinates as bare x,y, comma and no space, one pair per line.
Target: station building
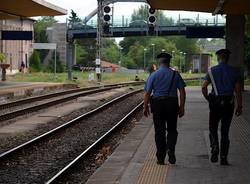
16,51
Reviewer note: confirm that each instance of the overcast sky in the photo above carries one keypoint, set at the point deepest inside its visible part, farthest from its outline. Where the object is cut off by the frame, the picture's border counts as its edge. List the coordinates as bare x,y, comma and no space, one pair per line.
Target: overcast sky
84,7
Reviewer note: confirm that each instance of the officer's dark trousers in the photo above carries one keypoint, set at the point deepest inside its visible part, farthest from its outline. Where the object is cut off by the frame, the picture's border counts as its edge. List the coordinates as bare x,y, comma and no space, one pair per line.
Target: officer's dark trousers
220,112
165,111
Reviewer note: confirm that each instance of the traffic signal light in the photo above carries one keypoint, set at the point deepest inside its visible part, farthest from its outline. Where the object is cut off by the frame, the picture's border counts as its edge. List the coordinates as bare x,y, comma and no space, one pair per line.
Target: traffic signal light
151,21
106,19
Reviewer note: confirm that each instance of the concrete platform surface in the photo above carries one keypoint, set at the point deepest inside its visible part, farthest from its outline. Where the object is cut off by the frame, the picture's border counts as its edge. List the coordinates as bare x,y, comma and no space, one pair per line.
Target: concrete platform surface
134,162
9,90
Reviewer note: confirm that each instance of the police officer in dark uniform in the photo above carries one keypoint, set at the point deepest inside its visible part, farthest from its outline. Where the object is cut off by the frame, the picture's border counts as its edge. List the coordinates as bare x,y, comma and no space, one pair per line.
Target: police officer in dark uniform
226,82
163,85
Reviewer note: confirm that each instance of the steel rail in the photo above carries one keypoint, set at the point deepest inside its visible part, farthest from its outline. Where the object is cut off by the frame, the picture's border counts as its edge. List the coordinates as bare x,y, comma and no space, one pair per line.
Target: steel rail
39,138
86,152
51,95
27,110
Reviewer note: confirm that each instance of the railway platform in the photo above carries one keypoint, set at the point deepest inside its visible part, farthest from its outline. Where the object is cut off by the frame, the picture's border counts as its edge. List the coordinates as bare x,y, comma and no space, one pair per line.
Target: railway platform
9,90
134,162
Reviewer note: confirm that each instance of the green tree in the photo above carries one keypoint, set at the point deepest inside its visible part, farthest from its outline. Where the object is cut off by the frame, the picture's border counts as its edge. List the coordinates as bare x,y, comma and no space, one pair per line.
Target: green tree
128,62
35,62
81,53
40,27
128,41
60,68
40,34
111,51
73,18
2,58
87,46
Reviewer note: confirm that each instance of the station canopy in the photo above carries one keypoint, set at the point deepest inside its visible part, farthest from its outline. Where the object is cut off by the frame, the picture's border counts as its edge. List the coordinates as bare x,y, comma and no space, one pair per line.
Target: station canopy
234,7
13,9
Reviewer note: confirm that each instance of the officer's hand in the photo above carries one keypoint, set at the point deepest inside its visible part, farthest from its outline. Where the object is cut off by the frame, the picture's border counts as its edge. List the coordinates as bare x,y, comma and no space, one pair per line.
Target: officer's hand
181,112
146,111
238,111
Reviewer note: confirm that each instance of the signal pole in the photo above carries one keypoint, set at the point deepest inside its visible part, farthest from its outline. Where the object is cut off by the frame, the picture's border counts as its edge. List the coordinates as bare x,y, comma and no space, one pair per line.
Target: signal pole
99,40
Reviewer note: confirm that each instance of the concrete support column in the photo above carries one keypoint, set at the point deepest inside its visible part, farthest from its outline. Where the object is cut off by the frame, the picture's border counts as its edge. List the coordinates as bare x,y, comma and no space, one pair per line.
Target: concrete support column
70,55
235,34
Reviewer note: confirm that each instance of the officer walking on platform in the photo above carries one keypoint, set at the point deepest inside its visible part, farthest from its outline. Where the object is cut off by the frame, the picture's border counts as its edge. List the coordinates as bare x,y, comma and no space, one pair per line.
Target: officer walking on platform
225,82
163,85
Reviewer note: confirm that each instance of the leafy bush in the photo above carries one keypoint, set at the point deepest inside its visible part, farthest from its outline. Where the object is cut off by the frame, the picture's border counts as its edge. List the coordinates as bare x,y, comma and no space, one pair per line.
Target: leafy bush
35,62
2,57
60,68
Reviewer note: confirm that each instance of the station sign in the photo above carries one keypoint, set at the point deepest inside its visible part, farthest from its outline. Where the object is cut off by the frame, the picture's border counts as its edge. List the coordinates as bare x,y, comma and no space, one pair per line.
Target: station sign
98,70
16,35
44,46
98,61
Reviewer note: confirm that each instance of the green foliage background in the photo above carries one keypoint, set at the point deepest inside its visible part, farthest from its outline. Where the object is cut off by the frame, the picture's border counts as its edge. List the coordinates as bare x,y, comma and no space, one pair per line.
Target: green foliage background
35,62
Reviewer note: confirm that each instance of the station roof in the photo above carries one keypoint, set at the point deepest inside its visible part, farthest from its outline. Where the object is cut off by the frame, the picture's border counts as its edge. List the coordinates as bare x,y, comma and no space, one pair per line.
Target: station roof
13,9
236,7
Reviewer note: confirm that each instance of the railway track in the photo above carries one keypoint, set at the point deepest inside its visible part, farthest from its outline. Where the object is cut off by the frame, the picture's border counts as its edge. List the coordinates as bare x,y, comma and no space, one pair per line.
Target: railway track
66,96
51,95
67,169
20,154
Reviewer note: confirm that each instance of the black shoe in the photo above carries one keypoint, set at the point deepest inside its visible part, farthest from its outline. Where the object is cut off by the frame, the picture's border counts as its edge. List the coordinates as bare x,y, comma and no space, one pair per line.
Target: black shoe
160,162
224,161
215,153
171,157
214,157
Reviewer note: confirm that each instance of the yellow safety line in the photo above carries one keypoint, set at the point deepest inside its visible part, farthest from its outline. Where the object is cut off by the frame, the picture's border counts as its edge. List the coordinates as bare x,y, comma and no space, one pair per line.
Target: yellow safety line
151,173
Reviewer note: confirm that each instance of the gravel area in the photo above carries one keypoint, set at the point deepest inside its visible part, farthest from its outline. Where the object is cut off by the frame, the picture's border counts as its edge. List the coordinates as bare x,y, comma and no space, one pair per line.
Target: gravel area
39,102
12,140
23,106
42,161
88,166
38,93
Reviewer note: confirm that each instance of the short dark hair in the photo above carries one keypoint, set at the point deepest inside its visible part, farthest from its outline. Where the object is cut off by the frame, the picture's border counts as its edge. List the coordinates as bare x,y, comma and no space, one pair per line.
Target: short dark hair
165,60
223,52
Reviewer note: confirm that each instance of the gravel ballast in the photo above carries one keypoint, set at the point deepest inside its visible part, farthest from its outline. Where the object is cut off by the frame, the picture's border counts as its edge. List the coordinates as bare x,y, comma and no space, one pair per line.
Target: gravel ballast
8,141
82,171
44,160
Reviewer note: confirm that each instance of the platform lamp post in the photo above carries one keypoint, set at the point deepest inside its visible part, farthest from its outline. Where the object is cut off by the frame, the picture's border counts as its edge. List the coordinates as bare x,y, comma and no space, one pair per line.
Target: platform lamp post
180,61
172,52
153,45
144,58
184,59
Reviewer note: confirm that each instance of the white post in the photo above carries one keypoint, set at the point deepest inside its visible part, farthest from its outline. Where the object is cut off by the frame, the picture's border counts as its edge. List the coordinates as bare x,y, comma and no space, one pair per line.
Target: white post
55,64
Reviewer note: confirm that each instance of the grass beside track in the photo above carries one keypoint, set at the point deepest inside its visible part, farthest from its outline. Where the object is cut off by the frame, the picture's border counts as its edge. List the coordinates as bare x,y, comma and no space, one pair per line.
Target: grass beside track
82,78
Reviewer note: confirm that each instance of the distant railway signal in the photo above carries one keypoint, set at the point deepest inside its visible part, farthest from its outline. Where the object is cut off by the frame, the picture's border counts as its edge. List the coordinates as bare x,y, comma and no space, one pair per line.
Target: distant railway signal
151,21
106,19
106,9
